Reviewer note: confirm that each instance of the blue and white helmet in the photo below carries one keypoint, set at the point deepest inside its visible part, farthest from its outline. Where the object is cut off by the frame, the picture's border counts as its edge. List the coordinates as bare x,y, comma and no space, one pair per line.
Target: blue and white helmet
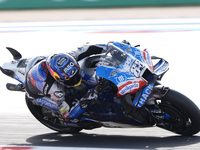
64,67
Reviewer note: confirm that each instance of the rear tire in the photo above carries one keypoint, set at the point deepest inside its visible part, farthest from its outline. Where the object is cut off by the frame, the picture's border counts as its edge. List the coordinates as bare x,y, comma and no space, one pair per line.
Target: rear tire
184,114
52,124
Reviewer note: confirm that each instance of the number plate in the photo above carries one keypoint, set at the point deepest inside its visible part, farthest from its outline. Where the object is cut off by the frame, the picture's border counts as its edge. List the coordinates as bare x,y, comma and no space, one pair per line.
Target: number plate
137,68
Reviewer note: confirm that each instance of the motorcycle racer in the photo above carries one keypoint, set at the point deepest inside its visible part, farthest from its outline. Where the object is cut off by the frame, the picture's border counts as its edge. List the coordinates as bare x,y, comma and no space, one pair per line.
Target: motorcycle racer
124,79
46,80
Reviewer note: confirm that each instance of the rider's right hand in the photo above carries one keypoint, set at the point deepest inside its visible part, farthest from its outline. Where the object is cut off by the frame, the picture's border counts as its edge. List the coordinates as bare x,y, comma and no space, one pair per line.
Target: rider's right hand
92,95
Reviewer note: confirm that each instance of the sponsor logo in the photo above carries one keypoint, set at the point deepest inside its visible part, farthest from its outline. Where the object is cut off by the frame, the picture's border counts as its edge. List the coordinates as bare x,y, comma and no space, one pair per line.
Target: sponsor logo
61,61
121,78
137,68
59,94
46,103
129,88
145,94
69,67
113,73
21,72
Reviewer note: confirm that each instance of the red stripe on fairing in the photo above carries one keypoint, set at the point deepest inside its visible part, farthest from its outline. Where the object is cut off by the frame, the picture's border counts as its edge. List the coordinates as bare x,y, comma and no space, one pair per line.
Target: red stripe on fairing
33,81
16,148
144,54
145,58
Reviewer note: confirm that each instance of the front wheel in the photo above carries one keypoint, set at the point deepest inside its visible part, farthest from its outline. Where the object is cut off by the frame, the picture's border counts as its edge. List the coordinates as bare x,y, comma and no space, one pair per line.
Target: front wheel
52,123
180,115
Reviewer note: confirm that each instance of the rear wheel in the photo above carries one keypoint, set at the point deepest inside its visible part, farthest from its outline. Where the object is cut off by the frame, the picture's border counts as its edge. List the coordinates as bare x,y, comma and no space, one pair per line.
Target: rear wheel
180,114
52,123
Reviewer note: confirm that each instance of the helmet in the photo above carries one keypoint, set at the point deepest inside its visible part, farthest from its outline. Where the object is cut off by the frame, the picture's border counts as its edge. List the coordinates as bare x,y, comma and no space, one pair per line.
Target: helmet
64,67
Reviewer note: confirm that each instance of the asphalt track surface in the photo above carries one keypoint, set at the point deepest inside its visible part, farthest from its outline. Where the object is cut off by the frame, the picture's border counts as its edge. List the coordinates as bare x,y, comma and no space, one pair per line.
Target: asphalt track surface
24,130
20,128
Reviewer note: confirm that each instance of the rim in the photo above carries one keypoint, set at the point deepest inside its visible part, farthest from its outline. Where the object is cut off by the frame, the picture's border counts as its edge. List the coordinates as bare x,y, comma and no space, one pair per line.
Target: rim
178,120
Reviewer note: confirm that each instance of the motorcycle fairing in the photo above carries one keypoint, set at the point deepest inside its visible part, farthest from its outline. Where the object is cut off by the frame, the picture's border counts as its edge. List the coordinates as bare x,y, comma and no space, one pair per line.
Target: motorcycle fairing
17,73
143,95
148,60
142,56
19,67
130,74
109,112
125,81
161,67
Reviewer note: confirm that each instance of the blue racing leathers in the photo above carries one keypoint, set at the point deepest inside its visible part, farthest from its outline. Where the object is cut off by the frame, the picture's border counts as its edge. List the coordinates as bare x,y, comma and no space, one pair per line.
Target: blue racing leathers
44,90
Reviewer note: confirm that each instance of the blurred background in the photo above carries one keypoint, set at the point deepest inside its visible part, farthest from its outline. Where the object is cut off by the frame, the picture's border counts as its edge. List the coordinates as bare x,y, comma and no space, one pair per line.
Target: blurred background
45,10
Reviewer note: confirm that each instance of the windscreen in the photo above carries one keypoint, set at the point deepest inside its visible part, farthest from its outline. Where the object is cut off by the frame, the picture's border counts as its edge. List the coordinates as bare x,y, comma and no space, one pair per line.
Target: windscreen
115,56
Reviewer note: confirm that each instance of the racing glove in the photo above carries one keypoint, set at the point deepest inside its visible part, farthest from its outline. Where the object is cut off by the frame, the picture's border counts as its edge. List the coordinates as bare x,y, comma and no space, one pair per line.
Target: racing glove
91,96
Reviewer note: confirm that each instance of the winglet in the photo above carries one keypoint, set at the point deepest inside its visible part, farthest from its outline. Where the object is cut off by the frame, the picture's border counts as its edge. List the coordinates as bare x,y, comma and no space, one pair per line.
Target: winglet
7,72
15,53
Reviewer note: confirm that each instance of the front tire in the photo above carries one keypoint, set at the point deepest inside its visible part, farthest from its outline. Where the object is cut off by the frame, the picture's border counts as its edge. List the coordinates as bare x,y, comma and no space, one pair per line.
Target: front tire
184,115
52,124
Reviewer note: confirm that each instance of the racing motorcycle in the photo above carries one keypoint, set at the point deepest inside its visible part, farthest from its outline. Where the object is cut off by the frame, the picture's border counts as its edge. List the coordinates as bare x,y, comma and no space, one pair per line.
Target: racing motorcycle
131,79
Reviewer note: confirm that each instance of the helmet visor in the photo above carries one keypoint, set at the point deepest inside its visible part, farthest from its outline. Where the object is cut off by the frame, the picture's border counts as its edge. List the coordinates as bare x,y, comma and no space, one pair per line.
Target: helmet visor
74,81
